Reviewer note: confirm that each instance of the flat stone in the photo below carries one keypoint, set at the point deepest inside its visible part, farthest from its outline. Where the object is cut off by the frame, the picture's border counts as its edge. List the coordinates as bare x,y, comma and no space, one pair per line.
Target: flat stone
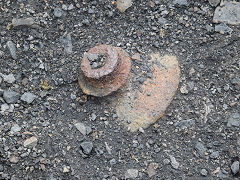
15,129
22,22
11,96
235,167
234,120
123,5
174,162
201,149
223,28
28,97
214,3
12,48
58,12
180,2
8,78
82,128
131,174
87,147
30,142
228,12
157,93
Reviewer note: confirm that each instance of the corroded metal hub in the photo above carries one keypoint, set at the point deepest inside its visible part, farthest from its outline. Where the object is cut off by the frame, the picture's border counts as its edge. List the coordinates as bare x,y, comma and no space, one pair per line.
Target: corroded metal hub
108,78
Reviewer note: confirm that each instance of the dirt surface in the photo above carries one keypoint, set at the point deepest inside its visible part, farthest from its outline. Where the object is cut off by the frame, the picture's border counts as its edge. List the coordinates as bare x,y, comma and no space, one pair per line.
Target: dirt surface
50,130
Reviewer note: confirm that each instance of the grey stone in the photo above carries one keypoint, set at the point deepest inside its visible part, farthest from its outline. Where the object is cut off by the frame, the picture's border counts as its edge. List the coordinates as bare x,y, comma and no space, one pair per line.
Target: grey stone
92,57
58,12
214,3
11,96
223,28
174,162
234,120
4,107
30,142
81,127
8,78
131,174
185,123
12,48
87,147
28,97
201,149
166,161
235,167
94,116
70,7
15,129
1,168
113,161
204,172
227,12
123,5
180,2
66,41
22,22
214,155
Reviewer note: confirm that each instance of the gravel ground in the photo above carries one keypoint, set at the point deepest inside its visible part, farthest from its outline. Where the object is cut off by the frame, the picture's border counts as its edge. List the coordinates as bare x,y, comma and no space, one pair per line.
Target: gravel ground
50,130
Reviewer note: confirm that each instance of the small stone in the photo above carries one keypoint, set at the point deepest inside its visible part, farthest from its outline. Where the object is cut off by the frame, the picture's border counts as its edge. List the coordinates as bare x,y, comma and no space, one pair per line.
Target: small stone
184,89
223,28
15,129
200,149
227,12
14,159
92,57
1,168
64,7
66,169
30,142
214,155
123,5
70,7
22,22
4,107
94,116
58,12
9,78
113,161
66,41
180,2
136,57
204,172
11,96
185,123
174,162
28,97
81,127
214,3
234,120
152,169
87,147
131,174
235,167
166,161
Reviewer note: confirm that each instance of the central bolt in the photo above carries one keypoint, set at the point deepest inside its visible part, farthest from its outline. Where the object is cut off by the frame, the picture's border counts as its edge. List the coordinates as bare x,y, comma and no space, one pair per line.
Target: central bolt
90,62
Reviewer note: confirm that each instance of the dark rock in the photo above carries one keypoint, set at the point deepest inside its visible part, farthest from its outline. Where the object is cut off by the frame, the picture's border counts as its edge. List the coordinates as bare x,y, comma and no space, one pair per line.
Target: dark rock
11,96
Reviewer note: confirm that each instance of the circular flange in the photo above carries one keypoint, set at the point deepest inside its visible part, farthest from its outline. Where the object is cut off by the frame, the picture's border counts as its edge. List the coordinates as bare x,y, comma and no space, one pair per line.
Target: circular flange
111,82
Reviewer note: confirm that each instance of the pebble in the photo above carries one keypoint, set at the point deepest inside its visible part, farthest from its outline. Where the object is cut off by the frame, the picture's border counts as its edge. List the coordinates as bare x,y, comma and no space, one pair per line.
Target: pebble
4,107
204,172
15,129
166,161
8,78
66,169
11,96
214,155
180,2
113,161
235,167
87,147
174,162
1,168
66,41
223,28
201,149
94,116
30,142
185,123
123,5
22,22
81,127
14,159
228,12
184,89
58,12
131,174
151,169
234,120
28,97
214,3
136,57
